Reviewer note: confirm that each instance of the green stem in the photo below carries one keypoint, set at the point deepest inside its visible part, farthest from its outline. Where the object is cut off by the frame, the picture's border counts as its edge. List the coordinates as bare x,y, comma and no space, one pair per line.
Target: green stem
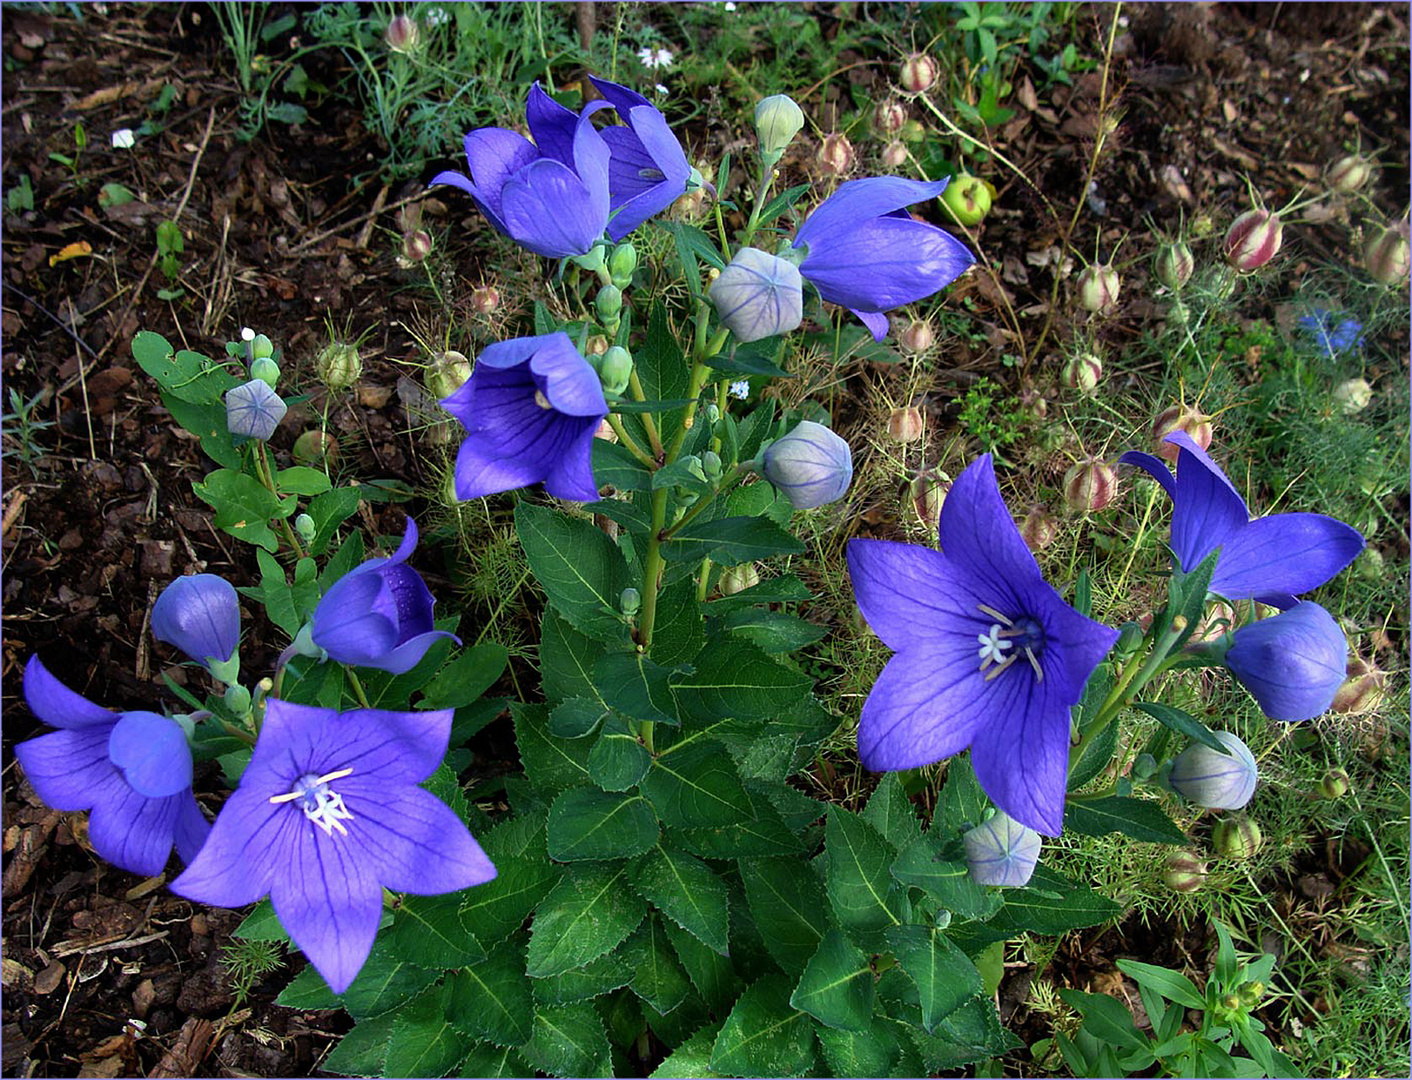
652,570
732,478
262,468
767,178
239,732
1121,694
616,423
358,690
635,385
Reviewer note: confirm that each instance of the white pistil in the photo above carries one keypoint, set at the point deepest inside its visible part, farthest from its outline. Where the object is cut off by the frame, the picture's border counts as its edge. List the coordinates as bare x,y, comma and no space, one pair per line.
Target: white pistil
993,646
541,400
328,812
995,641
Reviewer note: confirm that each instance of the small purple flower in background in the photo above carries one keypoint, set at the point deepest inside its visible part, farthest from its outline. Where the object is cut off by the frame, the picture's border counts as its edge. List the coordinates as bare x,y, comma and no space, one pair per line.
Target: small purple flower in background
866,253
647,171
254,410
328,812
1001,851
200,615
988,655
132,771
530,409
379,614
1277,556
1328,339
1212,779
1292,663
550,196
758,295
811,465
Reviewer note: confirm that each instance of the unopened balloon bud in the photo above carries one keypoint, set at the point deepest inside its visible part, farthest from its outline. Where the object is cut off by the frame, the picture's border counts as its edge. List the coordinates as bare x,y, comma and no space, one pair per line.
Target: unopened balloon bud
1334,784
1212,779
917,336
966,199
261,346
402,34
739,578
905,425
894,154
1089,486
630,601
778,119
1038,529
1082,373
711,465
913,132
1186,418
305,528
314,446
889,117
1174,265
237,699
1185,872
1236,837
758,295
485,299
416,246
1099,286
929,491
266,370
810,464
918,73
1388,257
253,410
1001,851
447,373
609,304
621,264
339,366
835,154
615,369
1253,239
1348,174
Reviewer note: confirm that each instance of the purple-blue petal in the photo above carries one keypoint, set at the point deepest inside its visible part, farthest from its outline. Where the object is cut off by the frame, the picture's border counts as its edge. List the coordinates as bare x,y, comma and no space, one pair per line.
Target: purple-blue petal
571,475
570,384
859,200
1021,755
928,703
1153,466
417,843
549,210
66,767
876,323
408,654
57,705
1208,510
1284,553
883,263
977,533
911,595
130,830
200,615
1292,663
347,623
237,862
551,125
152,752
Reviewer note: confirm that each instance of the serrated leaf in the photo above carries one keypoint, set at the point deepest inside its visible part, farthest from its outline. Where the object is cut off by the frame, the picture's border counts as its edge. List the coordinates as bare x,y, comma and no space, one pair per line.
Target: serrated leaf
465,678
589,912
734,678
688,892
363,1050
636,687
658,978
1140,819
871,1052
615,464
523,877
580,569
423,1042
692,1059
971,1033
764,1035
568,1040
597,977
576,717
566,660
383,983
486,1062
860,888
429,931
836,987
587,823
712,974
730,541
1052,904
208,423
772,631
696,785
785,589
491,999
891,813
680,631
944,975
788,905
763,834
947,881
962,804
618,759
551,764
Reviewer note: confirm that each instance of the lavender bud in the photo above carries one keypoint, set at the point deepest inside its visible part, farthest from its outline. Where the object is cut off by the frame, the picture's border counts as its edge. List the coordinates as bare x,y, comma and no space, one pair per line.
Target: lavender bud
416,246
758,295
1212,779
1293,664
1001,851
254,410
1186,418
1039,529
811,465
918,336
485,299
928,496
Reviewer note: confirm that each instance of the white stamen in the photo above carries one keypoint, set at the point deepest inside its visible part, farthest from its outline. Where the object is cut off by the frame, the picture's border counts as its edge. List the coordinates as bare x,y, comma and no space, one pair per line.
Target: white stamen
328,811
986,610
541,400
993,646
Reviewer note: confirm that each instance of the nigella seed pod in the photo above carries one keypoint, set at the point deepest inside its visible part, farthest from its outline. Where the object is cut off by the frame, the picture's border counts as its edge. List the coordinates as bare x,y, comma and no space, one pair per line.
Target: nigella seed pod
894,155
1082,373
402,34
1098,288
1293,664
200,615
1186,872
1039,529
416,246
447,373
966,199
485,299
1174,265
905,425
778,119
739,578
758,295
1388,257
1186,418
1236,837
835,154
314,446
889,117
913,132
254,410
339,365
1253,239
929,495
1001,851
1348,174
811,465
917,337
1361,692
1089,486
917,74
1334,784
1212,779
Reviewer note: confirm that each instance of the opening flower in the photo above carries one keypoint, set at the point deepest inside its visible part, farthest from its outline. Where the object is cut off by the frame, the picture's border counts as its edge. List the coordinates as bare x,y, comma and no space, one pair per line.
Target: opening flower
530,409
327,814
1292,663
1212,779
866,253
1272,558
758,295
550,196
811,465
379,614
200,615
647,170
254,410
131,771
988,655
1001,851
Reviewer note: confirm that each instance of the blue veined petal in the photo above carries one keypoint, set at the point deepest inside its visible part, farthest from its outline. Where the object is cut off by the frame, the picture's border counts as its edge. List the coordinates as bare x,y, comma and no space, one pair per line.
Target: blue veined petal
200,615
570,383
884,263
1284,553
1208,510
1001,851
57,705
66,767
860,200
1292,663
152,752
132,831
928,703
552,125
1021,755
550,210
416,841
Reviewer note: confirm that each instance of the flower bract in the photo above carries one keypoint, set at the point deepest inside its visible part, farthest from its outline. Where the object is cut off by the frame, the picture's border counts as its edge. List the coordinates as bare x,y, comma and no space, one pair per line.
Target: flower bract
327,814
131,771
530,409
647,170
866,253
1292,663
988,655
1001,851
758,295
1277,556
811,465
200,615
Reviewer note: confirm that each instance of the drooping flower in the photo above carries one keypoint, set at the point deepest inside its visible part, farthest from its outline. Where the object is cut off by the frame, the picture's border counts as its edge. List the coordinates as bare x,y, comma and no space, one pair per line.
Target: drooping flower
758,295
1212,779
379,614
866,253
327,814
988,655
1001,851
131,771
1328,339
550,196
1276,556
647,170
254,410
1292,663
530,409
200,615
811,465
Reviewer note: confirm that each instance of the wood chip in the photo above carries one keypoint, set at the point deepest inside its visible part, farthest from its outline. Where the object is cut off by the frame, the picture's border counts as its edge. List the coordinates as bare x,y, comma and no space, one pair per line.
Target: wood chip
14,975
184,1058
48,980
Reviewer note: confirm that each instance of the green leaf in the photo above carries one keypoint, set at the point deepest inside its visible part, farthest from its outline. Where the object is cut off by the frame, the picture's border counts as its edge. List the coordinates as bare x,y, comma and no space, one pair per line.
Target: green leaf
1172,985
581,570
971,1033
597,977
363,1050
615,464
773,631
712,974
207,422
695,786
491,998
566,660
329,511
787,903
1105,1018
186,375
262,924
763,834
618,759
568,1040
753,358
947,881
891,813
782,202
465,678
944,975
429,931
576,717
693,239
302,480
243,506
836,988
486,1061
661,366
688,892
859,885
658,978
692,1059
423,1042
734,678
586,823
764,1035
1052,904
963,803
1183,723
1140,819
589,912
731,540
786,588
872,1052
1096,756
523,877
679,632
275,593
636,687
384,983
551,764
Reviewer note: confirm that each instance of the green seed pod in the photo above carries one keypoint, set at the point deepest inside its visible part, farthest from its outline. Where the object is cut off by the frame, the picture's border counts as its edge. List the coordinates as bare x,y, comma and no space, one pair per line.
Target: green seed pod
1098,288
1185,871
1335,784
314,446
1236,837
447,373
237,699
1174,265
339,366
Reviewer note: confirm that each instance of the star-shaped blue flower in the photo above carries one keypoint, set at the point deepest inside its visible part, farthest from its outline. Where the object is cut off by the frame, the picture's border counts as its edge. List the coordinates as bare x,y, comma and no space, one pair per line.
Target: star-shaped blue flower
647,170
1273,558
988,655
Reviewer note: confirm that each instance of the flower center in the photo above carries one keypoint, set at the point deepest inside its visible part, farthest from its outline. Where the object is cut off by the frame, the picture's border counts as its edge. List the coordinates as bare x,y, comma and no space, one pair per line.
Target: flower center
541,400
1007,640
320,803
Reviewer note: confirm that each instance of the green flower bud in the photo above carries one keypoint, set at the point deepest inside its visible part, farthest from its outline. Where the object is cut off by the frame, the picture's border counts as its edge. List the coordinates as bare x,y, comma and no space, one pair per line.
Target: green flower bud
739,578
447,373
339,365
609,304
711,465
261,346
1174,265
1236,837
615,369
305,528
1231,1003
630,601
1250,993
622,263
266,370
777,121
237,699
1145,766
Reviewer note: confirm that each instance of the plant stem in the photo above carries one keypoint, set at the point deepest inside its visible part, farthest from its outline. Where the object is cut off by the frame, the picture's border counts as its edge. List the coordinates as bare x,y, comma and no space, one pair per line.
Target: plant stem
358,690
635,385
1119,697
262,467
729,481
616,423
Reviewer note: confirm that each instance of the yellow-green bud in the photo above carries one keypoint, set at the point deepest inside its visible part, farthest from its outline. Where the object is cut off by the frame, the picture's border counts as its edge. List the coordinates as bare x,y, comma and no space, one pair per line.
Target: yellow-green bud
339,365
777,121
711,465
266,370
1250,993
305,527
1185,871
621,264
629,601
609,304
1098,288
447,373
739,578
1231,1003
261,345
615,369
1335,784
1236,837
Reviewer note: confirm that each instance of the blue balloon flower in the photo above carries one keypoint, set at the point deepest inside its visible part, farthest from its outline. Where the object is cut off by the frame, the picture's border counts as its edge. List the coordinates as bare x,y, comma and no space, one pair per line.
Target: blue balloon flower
131,771
647,170
1275,557
866,253
200,615
530,410
811,465
1212,779
988,655
1292,663
550,196
1001,851
379,614
327,814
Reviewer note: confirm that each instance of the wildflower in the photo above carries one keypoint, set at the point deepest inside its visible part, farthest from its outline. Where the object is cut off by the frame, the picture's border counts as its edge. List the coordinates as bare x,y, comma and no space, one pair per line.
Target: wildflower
1279,555
988,655
865,252
530,409
327,814
379,614
660,89
1001,851
647,170
254,410
739,389
200,615
123,139
131,771
655,58
1292,663
811,465
758,295
1217,781
1331,340
550,196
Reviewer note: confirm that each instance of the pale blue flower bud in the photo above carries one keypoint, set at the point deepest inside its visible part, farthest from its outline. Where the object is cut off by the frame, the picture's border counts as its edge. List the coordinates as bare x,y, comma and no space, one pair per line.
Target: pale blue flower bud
777,121
759,295
254,410
1001,851
811,465
1212,779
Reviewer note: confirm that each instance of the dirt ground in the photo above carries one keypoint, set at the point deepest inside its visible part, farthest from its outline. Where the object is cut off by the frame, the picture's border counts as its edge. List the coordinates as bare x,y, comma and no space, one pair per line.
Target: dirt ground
109,975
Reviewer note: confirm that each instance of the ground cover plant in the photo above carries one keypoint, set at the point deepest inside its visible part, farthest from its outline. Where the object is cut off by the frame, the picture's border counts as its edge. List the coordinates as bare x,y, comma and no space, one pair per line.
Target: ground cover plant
736,540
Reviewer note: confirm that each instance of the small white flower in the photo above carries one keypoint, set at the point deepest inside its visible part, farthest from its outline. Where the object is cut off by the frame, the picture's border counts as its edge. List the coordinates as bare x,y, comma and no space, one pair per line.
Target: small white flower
660,88
655,58
437,16
124,139
740,389
729,6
